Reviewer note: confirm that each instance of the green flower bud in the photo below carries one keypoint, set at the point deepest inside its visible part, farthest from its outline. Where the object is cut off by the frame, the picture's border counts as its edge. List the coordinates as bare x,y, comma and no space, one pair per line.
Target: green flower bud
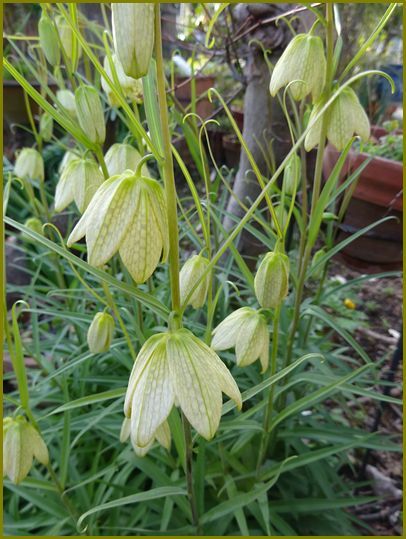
127,214
78,182
29,165
246,330
48,39
66,100
190,274
21,443
302,61
68,38
34,224
272,280
176,367
46,126
133,35
100,333
345,118
90,113
281,215
132,88
121,157
318,273
291,175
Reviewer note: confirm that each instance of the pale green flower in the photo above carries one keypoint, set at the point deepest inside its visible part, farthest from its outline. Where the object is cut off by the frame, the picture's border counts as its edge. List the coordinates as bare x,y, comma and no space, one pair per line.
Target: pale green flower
66,102
291,174
127,214
46,126
68,156
247,331
33,223
345,118
190,274
21,443
133,35
132,88
90,113
67,37
100,333
48,39
272,280
177,368
121,157
78,182
303,61
29,165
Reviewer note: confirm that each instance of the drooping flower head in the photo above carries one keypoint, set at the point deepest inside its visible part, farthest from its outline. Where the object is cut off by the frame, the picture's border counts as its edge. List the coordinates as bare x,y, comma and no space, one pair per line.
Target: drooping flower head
121,157
176,368
78,182
100,333
191,274
21,443
272,280
90,113
345,118
247,331
162,436
127,214
29,165
132,88
133,35
302,61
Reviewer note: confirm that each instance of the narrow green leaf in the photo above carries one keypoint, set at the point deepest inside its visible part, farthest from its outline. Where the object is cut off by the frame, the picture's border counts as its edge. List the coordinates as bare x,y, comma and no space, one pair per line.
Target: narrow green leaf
91,399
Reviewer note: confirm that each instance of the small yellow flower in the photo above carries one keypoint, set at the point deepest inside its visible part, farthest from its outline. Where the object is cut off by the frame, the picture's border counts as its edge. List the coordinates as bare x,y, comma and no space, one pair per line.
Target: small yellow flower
303,61
121,157
245,330
133,35
272,280
191,274
21,443
29,165
349,304
78,182
127,214
100,333
176,368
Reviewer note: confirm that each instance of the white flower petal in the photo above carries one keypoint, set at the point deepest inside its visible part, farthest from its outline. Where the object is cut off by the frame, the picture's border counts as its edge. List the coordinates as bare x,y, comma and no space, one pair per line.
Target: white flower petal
153,397
198,393
225,334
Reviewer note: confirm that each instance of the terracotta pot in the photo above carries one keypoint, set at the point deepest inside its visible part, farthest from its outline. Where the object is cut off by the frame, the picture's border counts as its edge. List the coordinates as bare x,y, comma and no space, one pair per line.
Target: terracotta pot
14,109
378,194
238,115
183,93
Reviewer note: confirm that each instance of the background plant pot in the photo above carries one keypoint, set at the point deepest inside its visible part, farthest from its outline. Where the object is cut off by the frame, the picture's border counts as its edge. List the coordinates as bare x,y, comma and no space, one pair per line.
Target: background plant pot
14,109
183,93
378,194
238,115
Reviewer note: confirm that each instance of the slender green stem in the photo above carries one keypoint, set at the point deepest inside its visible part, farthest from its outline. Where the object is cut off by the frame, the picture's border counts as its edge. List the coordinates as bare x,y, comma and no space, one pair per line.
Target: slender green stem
270,406
169,178
316,188
187,432
100,157
114,308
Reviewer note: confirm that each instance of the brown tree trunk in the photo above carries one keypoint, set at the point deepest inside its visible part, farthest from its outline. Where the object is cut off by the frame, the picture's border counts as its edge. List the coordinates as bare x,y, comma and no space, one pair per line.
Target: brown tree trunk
263,117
